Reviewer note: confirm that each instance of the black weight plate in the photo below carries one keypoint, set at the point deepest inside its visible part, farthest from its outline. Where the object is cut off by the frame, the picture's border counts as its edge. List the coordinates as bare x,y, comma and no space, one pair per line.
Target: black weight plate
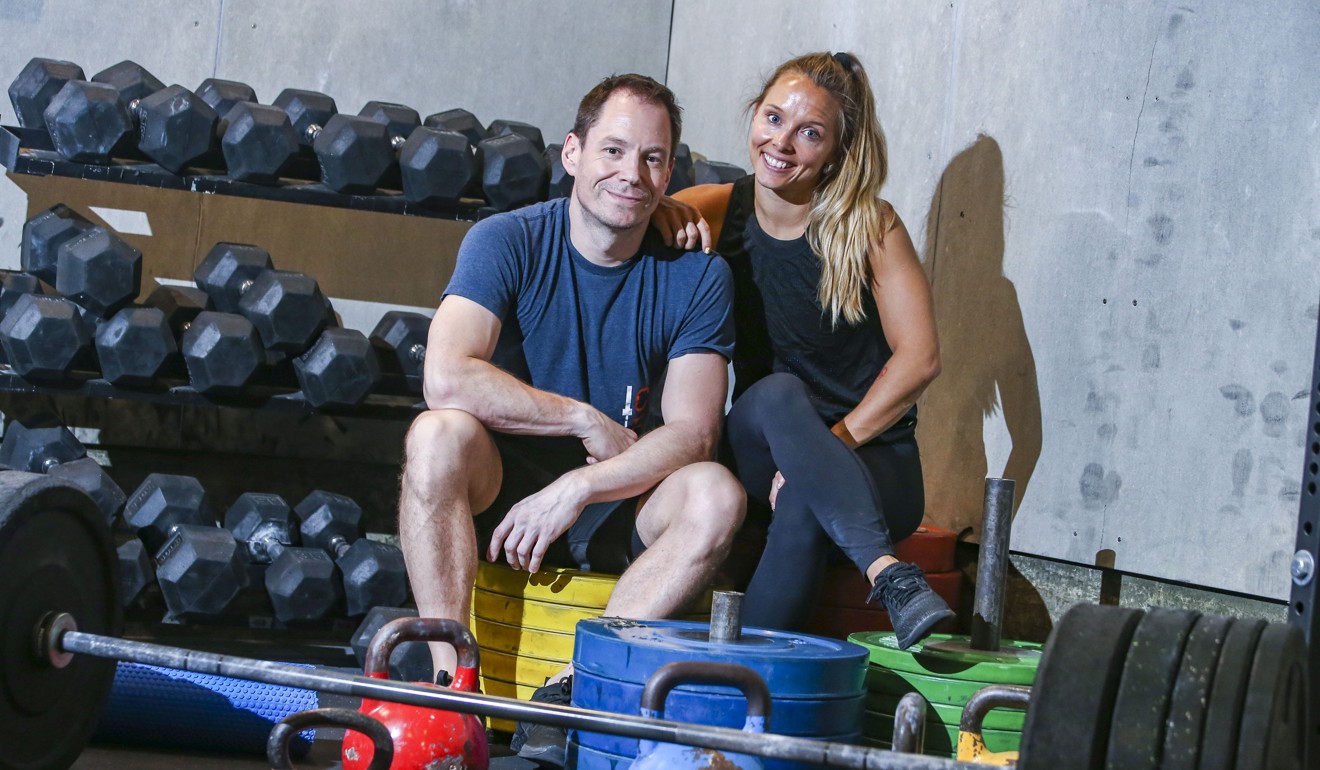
1228,694
1191,692
1275,720
57,555
1067,725
1136,729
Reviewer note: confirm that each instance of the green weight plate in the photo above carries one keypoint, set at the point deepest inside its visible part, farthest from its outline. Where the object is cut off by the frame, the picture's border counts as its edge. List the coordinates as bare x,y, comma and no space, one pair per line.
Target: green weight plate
941,740
1274,720
1191,692
1067,725
1228,695
947,715
56,555
950,656
883,683
1136,733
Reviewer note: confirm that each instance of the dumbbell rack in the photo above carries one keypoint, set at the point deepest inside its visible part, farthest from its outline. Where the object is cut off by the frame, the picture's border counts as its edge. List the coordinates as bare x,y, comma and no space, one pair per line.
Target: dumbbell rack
29,151
1302,610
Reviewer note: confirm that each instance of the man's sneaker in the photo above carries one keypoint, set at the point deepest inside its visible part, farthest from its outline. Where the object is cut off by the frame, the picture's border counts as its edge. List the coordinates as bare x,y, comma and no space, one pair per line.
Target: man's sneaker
543,743
914,609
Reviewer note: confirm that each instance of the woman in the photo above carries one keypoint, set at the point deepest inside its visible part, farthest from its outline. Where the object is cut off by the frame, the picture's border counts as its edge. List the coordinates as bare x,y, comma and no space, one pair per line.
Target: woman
836,340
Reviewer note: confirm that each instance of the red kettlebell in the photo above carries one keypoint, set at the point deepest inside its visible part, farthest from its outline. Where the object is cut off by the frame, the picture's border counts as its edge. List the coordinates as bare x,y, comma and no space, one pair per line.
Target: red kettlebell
423,737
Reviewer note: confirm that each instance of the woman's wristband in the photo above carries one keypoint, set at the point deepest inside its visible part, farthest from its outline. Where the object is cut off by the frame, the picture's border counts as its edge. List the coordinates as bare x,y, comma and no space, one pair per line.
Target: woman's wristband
841,430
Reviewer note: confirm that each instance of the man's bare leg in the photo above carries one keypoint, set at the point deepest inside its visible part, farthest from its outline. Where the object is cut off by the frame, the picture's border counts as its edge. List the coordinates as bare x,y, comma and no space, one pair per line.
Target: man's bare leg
451,469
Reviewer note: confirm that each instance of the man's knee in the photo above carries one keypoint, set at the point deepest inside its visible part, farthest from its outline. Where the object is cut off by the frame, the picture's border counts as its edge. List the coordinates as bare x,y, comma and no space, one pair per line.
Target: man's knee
713,503
437,443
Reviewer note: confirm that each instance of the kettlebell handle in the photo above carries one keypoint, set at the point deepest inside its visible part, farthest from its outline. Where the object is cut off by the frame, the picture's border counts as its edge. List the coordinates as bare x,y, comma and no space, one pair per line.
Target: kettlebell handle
277,746
671,675
395,632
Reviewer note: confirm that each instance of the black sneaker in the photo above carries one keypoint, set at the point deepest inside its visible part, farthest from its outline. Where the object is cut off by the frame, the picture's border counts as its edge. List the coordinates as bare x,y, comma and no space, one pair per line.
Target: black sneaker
914,609
544,743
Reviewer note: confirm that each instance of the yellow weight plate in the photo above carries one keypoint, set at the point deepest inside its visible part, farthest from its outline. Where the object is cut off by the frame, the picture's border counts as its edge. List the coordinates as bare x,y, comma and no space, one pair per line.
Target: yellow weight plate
529,613
522,640
492,686
560,586
521,669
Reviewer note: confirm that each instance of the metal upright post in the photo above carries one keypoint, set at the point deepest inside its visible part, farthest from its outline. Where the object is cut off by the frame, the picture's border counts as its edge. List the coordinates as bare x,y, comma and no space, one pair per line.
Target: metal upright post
1301,609
992,564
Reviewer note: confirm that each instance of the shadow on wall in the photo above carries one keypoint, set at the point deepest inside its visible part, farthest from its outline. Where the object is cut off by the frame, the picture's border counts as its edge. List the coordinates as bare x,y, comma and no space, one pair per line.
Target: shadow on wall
988,364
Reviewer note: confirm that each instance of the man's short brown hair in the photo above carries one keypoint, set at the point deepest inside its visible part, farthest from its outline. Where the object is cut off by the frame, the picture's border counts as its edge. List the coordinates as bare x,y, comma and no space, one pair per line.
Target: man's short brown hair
648,90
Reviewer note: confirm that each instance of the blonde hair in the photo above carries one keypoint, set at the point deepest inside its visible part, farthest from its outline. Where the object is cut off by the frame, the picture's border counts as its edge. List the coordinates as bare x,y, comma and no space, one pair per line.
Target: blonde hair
847,216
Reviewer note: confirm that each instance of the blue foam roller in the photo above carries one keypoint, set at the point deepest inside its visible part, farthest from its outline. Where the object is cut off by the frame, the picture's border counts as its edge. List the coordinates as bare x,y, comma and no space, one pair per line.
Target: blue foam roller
167,708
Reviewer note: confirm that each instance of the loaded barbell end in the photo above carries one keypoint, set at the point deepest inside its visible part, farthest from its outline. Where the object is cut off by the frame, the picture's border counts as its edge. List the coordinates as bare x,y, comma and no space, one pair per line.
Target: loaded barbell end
46,638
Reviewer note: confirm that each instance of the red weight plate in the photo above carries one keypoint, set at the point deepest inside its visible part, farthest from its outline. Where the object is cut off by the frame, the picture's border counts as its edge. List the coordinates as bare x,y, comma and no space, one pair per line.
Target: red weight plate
840,620
930,548
844,586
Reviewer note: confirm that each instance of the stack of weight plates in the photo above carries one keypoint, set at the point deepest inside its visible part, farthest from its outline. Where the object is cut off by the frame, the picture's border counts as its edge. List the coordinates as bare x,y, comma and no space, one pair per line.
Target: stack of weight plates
842,608
817,685
946,671
524,622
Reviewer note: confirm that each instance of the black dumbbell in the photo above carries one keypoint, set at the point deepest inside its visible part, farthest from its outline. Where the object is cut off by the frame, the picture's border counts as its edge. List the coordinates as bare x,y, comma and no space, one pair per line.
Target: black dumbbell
716,172
399,119
561,182
222,352
339,370
98,270
223,95
43,235
135,347
460,120
288,309
305,110
89,121
136,570
44,338
682,178
438,166
38,82
258,143
374,572
502,127
42,444
303,583
400,340
199,567
130,79
180,304
409,661
514,171
88,475
14,284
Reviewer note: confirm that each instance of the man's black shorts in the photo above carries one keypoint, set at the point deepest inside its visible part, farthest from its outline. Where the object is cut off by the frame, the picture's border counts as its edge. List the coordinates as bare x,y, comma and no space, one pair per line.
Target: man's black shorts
603,539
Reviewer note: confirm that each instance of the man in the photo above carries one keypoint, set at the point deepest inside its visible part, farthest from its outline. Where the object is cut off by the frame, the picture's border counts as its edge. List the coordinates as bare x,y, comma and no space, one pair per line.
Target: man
562,329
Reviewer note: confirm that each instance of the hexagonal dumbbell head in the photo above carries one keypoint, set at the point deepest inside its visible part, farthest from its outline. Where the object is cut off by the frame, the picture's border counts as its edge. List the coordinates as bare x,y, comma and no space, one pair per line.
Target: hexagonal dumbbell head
136,570
130,79
305,110
398,119
259,143
228,271
88,475
175,127
330,522
14,285
200,570
354,152
502,127
287,308
44,337
164,501
303,584
264,523
459,120
43,235
716,172
437,166
36,85
87,121
339,370
400,339
98,270
514,171
222,352
374,576
39,444
180,304
409,662
561,182
682,178
135,347
222,95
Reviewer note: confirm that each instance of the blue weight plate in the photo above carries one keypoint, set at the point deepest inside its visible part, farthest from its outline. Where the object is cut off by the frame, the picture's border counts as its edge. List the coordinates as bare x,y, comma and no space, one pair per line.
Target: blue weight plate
792,665
587,758
788,716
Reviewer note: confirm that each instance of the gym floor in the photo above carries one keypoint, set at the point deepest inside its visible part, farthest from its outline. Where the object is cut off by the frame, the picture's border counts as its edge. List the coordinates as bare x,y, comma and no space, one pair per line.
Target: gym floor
323,756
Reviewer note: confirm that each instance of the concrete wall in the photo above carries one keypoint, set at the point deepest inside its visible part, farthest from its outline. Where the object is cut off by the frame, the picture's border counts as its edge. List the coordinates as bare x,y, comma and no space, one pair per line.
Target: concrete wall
1116,203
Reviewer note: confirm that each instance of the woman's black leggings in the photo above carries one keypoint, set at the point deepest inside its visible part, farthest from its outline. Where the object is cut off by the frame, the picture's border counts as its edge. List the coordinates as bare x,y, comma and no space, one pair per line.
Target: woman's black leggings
863,500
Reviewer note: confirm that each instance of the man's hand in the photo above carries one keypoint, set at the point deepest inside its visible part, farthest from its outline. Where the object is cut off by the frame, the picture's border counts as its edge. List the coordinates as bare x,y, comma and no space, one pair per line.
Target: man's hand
535,522
606,438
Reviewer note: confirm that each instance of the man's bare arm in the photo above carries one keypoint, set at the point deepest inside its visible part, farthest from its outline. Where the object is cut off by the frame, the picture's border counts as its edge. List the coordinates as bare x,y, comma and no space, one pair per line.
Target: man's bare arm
693,405
459,375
